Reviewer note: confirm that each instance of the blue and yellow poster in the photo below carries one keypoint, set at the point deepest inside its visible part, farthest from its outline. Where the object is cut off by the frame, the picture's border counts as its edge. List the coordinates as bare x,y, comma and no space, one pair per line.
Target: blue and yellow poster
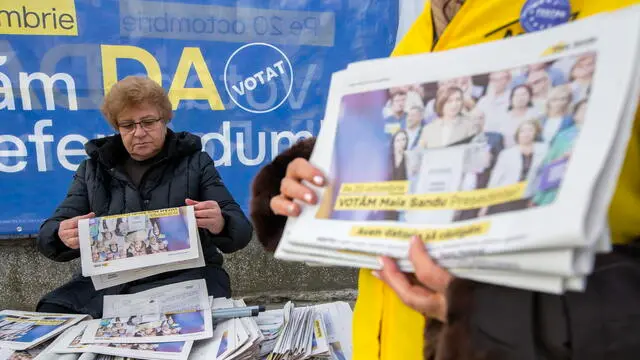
250,77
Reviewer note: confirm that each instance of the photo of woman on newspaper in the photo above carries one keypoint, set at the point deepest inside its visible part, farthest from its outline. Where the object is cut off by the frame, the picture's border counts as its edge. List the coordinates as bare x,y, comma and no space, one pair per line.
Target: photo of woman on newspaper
502,141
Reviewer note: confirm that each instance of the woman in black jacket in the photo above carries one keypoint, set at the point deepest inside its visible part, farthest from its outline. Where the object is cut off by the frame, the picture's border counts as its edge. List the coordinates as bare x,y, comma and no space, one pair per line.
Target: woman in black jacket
146,166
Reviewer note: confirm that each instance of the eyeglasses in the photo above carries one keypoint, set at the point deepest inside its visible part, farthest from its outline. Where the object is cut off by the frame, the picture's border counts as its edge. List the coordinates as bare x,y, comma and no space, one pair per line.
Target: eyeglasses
130,126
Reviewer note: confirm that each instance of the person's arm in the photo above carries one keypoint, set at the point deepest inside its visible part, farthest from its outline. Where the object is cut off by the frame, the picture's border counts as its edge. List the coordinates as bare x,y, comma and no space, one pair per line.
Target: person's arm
75,204
265,186
237,230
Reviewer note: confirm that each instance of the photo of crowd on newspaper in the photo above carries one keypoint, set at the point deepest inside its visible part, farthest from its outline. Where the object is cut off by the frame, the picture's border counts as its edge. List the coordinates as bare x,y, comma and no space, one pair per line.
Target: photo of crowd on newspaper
174,347
116,238
145,326
517,126
171,347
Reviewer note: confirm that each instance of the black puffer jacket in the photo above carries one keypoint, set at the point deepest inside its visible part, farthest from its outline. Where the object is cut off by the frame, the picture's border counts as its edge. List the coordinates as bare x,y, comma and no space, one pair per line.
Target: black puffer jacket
101,186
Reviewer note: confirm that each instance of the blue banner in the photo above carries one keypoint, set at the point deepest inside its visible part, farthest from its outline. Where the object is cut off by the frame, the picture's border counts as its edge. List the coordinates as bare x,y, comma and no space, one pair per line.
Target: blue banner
248,76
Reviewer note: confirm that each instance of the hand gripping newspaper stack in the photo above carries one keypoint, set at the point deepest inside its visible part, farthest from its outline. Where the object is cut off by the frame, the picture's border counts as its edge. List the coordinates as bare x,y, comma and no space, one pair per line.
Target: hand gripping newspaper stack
503,157
179,322
122,248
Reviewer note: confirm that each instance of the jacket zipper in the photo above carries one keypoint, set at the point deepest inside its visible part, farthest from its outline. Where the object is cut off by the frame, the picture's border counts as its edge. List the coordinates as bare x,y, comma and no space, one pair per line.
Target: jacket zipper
143,201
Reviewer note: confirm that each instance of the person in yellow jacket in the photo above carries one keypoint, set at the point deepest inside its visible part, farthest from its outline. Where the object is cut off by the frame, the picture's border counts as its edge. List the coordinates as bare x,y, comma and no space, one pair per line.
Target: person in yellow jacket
468,320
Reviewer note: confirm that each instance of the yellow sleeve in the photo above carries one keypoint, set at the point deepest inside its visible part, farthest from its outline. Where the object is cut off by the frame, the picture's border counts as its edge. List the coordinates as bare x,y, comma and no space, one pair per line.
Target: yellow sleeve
419,38
624,209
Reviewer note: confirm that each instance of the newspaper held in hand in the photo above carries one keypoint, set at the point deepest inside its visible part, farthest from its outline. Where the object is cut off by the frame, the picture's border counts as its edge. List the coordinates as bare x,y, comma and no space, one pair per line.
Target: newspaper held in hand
113,244
112,279
550,166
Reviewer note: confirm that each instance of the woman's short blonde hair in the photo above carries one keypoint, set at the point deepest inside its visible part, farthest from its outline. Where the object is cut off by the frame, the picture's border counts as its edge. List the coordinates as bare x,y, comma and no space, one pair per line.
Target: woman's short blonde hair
563,91
536,126
133,91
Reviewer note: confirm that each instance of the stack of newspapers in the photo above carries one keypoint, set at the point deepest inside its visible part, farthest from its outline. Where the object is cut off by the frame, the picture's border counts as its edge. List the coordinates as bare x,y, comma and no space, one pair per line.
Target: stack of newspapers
179,322
319,331
502,157
122,248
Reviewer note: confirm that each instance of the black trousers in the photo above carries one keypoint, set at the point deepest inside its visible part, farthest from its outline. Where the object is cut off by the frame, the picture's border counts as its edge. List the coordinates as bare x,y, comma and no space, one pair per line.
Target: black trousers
601,323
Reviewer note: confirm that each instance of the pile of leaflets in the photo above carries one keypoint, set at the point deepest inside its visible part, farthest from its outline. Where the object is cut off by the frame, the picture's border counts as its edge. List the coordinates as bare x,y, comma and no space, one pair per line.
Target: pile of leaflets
319,331
502,157
179,322
235,338
122,248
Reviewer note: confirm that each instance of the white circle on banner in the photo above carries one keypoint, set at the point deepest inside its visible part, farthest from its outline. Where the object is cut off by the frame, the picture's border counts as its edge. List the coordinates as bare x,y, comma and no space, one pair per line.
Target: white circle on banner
289,88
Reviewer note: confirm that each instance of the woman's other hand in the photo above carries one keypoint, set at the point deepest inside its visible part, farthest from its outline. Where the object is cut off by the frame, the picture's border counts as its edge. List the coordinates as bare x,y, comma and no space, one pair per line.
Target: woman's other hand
68,230
423,291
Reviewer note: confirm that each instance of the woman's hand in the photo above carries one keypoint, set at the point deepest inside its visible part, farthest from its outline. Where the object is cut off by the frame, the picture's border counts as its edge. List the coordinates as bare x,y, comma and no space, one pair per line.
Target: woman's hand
291,188
68,230
208,215
424,291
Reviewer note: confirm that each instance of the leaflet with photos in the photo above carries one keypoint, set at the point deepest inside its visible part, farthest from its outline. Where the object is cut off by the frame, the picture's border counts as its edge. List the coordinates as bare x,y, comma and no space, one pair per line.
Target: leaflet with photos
474,155
112,279
170,313
70,342
118,243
